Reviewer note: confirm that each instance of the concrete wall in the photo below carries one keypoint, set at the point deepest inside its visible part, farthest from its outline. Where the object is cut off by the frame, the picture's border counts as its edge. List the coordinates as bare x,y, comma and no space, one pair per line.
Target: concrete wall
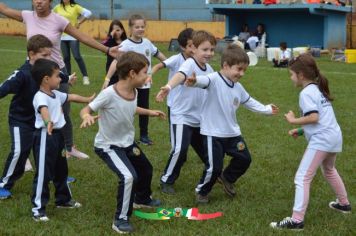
169,9
162,31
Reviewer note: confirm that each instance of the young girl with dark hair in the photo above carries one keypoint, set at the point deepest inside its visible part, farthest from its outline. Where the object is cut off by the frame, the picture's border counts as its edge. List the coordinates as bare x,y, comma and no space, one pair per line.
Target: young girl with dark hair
324,138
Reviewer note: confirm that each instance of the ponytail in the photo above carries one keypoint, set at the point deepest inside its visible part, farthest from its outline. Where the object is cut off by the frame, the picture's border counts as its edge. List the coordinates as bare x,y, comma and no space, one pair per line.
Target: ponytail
323,85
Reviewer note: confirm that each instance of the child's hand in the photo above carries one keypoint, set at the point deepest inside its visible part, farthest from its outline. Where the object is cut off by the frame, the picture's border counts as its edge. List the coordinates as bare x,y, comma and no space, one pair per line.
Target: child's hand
88,120
293,133
158,113
290,117
72,79
49,127
91,98
149,80
163,93
275,109
190,81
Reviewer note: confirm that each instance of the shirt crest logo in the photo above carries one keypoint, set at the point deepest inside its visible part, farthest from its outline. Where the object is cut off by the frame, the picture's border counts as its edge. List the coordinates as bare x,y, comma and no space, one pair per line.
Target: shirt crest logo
136,151
241,146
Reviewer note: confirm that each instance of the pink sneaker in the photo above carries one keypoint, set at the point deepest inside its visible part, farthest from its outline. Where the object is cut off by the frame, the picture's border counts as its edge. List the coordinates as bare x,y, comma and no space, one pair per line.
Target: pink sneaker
76,153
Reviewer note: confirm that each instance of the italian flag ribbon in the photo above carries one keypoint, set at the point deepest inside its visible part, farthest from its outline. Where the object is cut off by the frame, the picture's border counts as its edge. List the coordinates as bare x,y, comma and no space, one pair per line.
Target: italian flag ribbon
167,213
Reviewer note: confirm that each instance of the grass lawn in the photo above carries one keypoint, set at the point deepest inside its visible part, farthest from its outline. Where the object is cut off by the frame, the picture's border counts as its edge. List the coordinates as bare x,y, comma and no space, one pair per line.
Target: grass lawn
265,192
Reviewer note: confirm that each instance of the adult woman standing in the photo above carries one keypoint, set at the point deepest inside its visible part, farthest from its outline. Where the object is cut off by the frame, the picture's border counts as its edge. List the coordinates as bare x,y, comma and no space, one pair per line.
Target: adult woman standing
76,15
43,21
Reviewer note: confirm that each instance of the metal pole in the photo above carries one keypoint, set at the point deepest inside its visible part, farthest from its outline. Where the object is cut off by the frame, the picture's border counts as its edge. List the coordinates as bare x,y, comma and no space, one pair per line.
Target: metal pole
159,9
112,9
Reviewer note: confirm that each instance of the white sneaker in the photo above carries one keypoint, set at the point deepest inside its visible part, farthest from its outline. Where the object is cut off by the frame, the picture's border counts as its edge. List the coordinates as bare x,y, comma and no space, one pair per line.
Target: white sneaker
76,153
86,80
28,166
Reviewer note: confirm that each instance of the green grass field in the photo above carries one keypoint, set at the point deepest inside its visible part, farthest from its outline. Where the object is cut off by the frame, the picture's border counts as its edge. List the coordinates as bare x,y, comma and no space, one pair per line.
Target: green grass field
265,192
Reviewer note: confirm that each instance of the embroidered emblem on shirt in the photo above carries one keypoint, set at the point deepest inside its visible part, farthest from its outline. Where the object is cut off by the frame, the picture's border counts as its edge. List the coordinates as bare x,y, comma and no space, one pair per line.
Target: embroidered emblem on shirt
241,146
236,102
136,151
147,52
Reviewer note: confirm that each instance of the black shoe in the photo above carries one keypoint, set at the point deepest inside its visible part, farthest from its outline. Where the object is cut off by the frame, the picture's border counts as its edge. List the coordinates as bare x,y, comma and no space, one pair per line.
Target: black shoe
40,218
228,187
336,206
200,199
145,140
167,189
122,226
71,204
287,223
152,204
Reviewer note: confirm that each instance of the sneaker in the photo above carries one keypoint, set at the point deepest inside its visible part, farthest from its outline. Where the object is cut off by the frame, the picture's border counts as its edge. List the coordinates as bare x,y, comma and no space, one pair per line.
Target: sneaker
28,166
71,180
152,204
228,187
287,223
70,205
167,189
40,218
122,226
4,193
86,80
343,209
200,199
145,140
76,153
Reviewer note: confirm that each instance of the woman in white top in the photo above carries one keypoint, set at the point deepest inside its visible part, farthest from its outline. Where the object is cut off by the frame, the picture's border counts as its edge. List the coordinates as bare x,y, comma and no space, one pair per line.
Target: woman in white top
324,140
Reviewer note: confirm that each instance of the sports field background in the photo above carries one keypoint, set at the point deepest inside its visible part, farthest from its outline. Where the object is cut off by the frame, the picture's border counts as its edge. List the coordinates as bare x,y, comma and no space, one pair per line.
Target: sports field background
264,194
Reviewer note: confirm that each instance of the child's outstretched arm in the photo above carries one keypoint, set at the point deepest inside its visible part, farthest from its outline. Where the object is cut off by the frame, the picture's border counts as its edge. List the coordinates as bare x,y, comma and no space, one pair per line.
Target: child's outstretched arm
111,72
202,81
80,99
312,118
87,118
255,106
161,56
46,119
178,78
147,112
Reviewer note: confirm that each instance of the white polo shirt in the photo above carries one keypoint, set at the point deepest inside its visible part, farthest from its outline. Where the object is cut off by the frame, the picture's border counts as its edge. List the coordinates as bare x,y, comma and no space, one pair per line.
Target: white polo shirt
173,63
187,102
223,98
54,104
116,119
144,47
326,134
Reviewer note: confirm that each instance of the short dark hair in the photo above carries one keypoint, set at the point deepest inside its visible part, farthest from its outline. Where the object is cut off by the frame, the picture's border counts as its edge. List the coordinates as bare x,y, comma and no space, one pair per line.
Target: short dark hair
130,61
201,36
41,68
234,55
283,45
37,42
184,36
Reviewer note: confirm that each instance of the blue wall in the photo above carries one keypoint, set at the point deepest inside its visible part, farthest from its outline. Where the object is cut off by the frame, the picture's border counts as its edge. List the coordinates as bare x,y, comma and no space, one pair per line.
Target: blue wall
297,24
186,10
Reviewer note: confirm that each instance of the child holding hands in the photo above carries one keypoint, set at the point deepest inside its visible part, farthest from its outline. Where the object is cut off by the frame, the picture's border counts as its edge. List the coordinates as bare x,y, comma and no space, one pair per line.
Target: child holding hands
218,124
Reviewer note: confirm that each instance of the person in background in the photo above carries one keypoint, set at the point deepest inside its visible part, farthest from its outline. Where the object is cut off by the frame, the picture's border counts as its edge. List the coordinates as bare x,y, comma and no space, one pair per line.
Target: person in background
116,35
76,15
283,56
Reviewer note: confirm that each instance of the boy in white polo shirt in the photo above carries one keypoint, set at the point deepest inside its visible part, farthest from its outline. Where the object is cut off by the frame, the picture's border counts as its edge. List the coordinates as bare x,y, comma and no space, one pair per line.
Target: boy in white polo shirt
115,144
51,165
218,123
186,108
